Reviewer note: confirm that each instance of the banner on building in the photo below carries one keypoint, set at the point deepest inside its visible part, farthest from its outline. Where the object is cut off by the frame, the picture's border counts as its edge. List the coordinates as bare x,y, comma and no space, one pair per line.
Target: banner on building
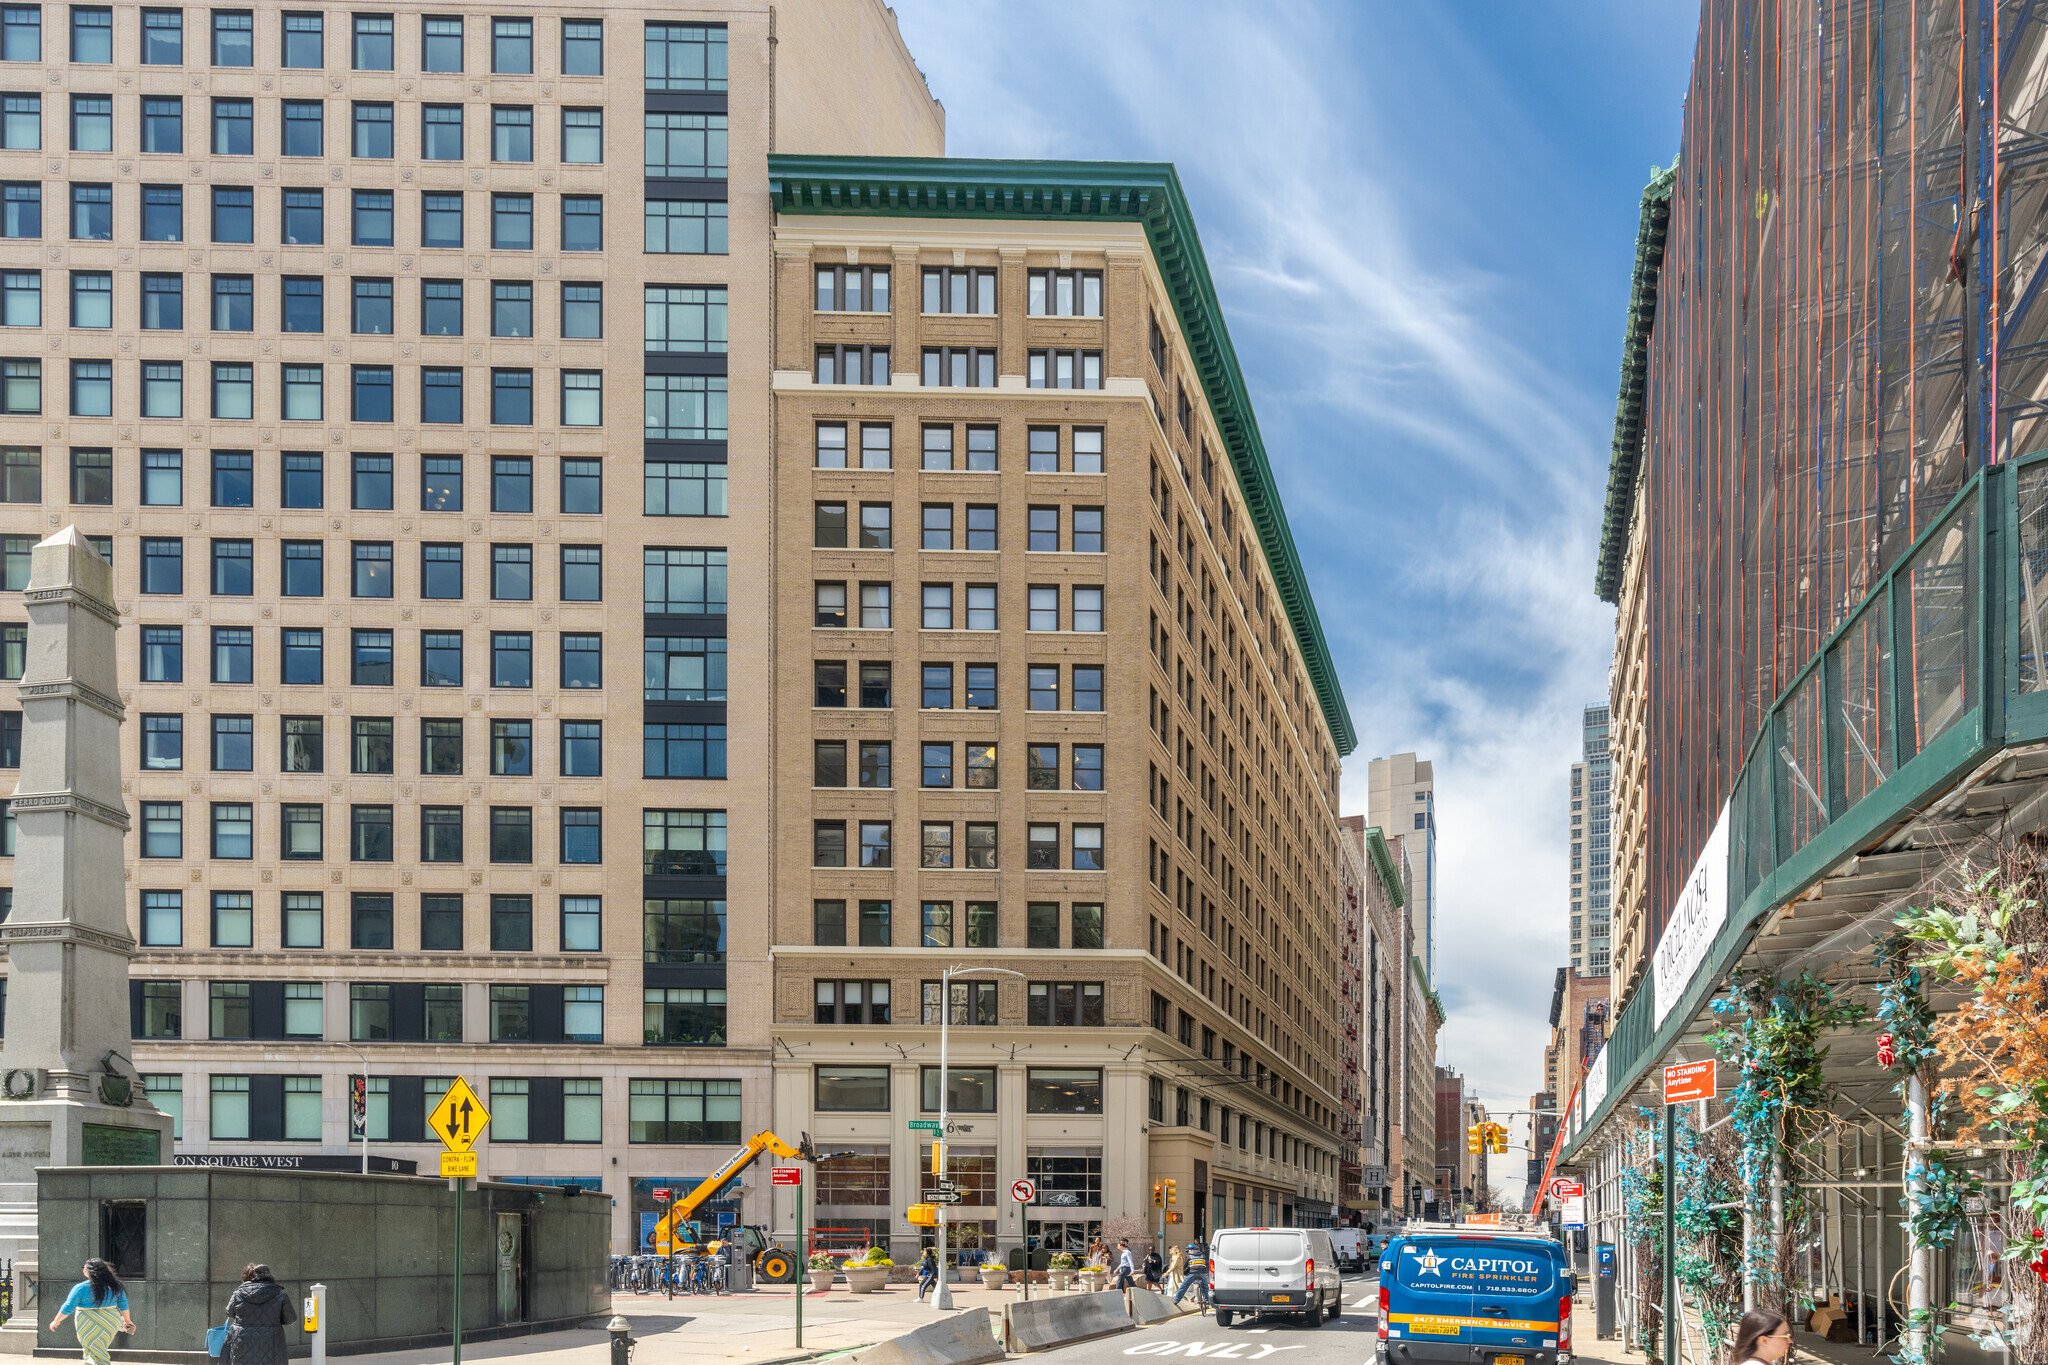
1595,1085
1696,919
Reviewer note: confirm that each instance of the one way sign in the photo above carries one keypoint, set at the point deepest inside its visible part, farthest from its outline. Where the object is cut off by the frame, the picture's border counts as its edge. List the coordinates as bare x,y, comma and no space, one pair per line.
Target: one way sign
459,1119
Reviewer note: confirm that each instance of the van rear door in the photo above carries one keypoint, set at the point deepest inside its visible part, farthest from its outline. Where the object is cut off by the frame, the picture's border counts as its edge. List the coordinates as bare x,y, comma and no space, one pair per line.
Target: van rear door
1509,1289
1425,1301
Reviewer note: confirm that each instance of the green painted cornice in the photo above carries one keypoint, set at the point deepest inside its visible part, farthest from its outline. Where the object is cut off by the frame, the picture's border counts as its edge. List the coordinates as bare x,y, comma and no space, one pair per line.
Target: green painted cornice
1147,193
1383,863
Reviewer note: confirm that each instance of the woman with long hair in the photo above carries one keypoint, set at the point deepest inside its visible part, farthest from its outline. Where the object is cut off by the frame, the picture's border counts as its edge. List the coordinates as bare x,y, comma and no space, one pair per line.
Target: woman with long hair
1762,1336
99,1305
258,1312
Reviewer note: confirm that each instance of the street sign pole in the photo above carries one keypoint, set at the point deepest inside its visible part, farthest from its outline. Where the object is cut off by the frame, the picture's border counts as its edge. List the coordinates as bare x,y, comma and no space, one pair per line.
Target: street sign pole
803,1266
458,1271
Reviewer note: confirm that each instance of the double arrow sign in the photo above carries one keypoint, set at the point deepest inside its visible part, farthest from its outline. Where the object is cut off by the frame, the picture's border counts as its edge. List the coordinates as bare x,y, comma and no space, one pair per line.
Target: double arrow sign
459,1120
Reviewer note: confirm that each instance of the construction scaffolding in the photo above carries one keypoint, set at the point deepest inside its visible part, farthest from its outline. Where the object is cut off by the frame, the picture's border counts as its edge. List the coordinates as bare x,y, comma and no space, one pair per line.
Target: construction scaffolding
1835,322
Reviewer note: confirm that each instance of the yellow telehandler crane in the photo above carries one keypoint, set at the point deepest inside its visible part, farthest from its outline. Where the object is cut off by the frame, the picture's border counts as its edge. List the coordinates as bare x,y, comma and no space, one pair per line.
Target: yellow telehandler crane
679,1231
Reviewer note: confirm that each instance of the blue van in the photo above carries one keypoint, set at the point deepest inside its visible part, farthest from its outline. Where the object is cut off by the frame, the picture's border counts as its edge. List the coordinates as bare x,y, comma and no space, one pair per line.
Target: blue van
1478,1297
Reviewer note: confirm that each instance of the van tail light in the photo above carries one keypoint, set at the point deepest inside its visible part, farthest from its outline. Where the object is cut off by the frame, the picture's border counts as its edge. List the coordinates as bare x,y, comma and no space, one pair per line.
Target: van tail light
1564,1323
1311,1272
1386,1301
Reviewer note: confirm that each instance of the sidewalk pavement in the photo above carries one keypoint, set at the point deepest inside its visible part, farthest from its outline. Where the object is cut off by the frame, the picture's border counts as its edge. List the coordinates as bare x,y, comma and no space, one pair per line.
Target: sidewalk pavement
752,1328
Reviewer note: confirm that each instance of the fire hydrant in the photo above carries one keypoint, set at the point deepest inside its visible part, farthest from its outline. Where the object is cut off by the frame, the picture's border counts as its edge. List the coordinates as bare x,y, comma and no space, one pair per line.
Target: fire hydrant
622,1339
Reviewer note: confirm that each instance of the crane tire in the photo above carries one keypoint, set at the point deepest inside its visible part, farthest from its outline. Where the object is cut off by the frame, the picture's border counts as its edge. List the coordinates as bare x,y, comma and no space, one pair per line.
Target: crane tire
777,1266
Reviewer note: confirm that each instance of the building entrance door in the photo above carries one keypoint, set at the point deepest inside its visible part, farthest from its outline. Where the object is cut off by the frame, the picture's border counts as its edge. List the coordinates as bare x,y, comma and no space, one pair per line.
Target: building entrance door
511,1268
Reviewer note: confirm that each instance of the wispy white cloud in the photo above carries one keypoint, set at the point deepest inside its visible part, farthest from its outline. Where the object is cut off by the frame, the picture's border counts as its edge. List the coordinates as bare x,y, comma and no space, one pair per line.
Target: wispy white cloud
1379,202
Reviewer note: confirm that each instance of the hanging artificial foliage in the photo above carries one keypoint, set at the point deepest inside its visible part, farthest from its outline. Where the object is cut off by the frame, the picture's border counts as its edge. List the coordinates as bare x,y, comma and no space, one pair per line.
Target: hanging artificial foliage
1985,1065
1709,1238
1770,1035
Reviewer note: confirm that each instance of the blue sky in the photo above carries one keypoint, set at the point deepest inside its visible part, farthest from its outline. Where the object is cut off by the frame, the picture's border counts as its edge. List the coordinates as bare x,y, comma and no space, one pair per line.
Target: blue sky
1421,218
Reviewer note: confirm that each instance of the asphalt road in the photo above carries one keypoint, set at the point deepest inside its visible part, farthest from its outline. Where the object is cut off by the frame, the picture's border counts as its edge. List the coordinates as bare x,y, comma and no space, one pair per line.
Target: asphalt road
1279,1341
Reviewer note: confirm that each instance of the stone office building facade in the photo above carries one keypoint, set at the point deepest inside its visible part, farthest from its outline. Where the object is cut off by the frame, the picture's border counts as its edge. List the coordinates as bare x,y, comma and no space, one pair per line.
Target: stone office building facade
1051,702
395,360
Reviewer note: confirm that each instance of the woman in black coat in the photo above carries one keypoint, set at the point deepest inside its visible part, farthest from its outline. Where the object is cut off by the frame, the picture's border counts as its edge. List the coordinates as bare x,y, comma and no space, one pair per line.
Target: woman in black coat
258,1312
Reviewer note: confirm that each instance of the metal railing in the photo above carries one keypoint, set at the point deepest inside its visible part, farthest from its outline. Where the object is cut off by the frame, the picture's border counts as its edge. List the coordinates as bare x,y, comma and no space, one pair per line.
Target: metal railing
1944,661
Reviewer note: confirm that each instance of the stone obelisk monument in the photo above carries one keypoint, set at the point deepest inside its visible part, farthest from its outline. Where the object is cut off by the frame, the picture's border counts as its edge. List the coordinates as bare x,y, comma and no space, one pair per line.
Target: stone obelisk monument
68,1094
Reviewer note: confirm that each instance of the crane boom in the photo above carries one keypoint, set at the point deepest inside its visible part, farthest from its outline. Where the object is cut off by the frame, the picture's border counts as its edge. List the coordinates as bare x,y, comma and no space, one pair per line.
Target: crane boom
685,1208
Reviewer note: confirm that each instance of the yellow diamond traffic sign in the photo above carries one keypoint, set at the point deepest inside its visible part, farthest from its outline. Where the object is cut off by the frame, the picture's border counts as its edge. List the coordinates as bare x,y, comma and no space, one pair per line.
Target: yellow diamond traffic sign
459,1119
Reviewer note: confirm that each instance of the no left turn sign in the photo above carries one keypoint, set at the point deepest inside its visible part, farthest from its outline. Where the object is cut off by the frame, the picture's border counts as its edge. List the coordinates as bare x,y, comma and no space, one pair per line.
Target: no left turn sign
1023,1191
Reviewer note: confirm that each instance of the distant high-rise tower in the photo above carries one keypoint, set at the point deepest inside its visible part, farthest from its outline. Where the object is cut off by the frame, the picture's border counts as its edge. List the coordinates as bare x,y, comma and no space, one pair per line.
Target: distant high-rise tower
1401,799
1592,849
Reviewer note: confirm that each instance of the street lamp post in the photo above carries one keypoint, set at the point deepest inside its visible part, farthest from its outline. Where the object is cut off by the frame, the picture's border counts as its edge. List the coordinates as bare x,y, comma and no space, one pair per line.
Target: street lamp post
366,1104
942,1301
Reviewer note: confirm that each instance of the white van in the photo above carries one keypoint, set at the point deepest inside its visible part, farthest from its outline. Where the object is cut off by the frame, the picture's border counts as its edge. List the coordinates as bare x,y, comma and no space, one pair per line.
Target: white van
1260,1272
1353,1247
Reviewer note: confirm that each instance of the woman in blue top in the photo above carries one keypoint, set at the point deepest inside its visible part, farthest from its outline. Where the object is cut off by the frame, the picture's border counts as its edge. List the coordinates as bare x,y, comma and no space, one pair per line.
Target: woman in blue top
100,1303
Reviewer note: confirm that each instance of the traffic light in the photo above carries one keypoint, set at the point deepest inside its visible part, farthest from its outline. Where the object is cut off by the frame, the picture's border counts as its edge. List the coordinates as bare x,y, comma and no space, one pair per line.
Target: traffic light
1472,1139
1172,1194
1500,1139
1158,1194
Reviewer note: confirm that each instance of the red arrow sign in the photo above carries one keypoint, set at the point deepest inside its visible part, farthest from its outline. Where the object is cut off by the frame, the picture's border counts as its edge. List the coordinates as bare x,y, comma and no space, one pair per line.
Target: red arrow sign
786,1175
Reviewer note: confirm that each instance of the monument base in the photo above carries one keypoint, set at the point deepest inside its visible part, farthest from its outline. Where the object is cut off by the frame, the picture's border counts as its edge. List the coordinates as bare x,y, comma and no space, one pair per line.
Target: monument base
66,1123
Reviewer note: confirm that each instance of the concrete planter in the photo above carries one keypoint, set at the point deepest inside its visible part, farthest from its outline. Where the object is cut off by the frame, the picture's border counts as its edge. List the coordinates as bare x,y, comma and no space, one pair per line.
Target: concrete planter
994,1276
1095,1280
865,1279
821,1280
1061,1280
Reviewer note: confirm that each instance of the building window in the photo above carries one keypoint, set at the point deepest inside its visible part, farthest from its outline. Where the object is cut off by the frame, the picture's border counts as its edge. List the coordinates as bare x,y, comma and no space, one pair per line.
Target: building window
441,42
441,220
1063,370
582,136
1064,293
582,222
683,1111
371,743
683,931
974,1003
163,916
960,289
582,924
853,1089
582,316
582,662
163,829
852,365
1060,1090
228,1110
679,57
853,288
685,319
510,1100
234,828
303,665
511,834
512,46
302,34
234,923
959,367
303,120
684,1016
685,146
441,132
682,488
511,222
512,922
304,920
511,1015
582,835
683,750
685,407
441,924
1064,1004
685,227
21,215
683,843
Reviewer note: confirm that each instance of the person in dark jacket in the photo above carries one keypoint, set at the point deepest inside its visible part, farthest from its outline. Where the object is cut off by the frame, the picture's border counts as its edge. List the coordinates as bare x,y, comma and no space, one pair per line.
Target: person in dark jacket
258,1312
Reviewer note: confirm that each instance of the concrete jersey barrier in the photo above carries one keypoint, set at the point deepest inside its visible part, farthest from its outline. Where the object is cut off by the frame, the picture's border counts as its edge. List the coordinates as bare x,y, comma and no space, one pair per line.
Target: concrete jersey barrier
1148,1307
963,1339
1043,1324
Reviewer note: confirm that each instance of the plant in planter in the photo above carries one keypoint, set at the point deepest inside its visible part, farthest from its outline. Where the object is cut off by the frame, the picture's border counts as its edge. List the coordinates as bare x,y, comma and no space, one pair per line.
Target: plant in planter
1060,1270
870,1272
822,1268
994,1274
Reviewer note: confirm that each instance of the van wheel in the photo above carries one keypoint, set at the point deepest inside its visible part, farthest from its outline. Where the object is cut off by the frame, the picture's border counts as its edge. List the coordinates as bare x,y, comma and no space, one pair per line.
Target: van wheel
1314,1317
1337,1306
1223,1317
